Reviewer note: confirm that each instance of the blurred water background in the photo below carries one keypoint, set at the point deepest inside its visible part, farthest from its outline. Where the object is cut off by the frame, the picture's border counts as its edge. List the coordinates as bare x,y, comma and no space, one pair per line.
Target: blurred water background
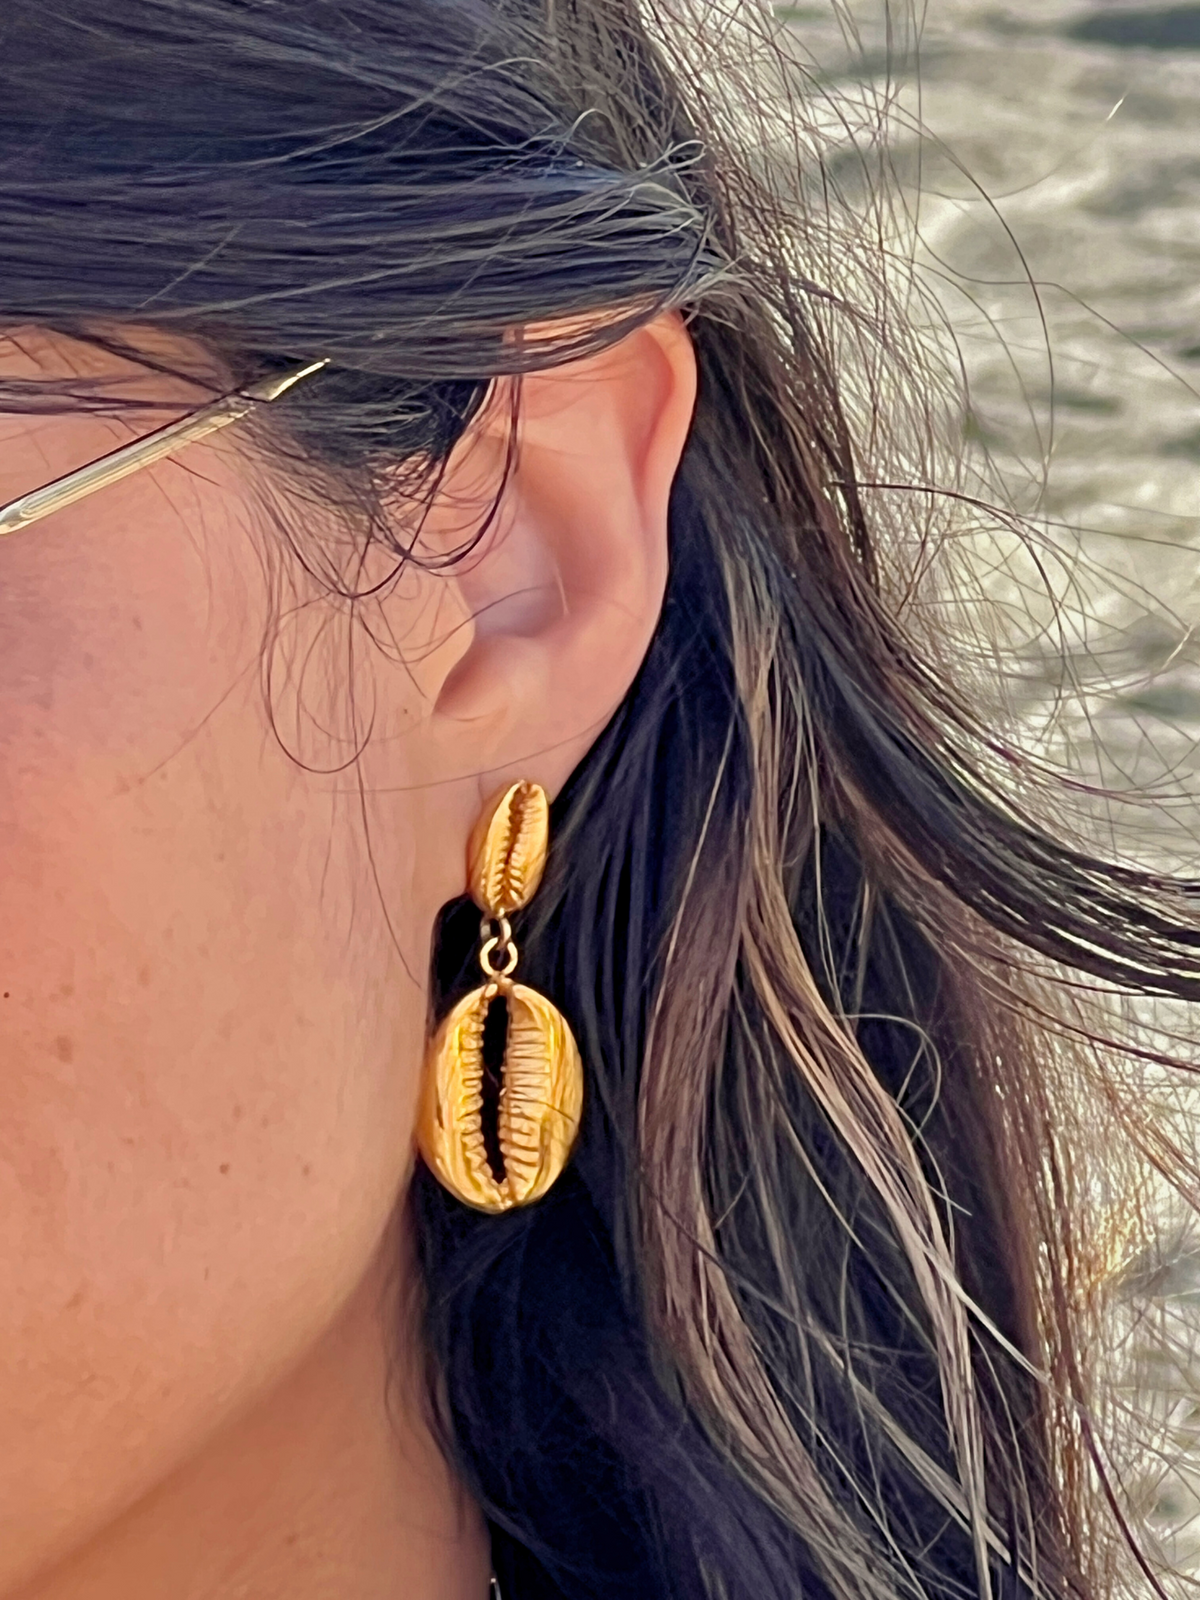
1049,155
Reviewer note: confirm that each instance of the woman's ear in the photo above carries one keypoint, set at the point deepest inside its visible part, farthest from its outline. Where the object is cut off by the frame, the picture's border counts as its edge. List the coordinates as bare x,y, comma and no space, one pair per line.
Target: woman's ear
563,591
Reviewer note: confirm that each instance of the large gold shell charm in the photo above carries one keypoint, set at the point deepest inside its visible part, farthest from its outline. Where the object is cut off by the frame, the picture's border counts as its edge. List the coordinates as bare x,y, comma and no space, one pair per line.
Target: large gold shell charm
498,1147
541,1096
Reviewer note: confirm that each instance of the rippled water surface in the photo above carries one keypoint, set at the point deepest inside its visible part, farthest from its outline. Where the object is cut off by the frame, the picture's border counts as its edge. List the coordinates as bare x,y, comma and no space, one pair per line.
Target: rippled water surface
1055,146
1059,179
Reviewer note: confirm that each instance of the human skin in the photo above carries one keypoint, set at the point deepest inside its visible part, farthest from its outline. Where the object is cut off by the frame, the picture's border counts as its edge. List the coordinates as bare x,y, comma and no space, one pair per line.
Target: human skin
213,958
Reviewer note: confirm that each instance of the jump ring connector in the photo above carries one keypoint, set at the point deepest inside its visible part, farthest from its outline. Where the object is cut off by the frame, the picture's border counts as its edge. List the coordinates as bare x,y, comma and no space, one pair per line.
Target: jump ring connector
502,937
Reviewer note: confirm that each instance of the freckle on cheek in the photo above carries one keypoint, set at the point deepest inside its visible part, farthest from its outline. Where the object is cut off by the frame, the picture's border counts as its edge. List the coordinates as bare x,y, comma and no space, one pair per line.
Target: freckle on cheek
64,1048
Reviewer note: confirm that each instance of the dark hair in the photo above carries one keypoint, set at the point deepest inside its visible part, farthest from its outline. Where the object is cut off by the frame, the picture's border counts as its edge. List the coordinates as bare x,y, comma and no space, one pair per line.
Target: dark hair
808,1313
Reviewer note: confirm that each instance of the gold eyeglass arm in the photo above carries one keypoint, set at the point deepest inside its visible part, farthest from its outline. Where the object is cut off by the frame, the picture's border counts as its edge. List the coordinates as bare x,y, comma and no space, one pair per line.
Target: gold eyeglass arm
144,452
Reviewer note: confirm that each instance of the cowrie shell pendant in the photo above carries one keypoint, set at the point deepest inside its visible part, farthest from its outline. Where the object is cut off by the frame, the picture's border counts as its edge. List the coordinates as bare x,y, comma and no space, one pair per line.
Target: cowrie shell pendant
535,1112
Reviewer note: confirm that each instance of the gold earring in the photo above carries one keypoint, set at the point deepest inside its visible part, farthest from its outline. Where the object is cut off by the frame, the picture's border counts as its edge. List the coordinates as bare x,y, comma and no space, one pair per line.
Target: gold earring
541,1087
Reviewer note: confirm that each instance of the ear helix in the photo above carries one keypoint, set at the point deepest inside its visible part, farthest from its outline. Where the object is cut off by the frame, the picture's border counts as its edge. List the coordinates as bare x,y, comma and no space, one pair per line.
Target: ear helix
541,1087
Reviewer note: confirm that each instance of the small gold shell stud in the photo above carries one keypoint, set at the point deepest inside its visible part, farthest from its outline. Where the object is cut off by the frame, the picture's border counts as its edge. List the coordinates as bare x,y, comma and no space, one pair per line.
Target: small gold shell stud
506,855
534,1114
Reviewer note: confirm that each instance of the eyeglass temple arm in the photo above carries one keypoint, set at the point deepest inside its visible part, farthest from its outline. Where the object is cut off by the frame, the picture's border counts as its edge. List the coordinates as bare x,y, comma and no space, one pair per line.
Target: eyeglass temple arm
144,452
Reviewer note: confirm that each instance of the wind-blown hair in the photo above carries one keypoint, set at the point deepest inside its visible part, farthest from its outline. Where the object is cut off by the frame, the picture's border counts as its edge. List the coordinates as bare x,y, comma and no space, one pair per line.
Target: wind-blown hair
809,1312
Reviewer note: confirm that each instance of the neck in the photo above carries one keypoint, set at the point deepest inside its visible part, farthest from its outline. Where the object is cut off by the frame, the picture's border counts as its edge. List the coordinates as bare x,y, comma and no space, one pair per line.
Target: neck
331,1485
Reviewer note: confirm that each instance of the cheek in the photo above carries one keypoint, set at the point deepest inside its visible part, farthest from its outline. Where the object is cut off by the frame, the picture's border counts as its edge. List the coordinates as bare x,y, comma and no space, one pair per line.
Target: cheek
207,1081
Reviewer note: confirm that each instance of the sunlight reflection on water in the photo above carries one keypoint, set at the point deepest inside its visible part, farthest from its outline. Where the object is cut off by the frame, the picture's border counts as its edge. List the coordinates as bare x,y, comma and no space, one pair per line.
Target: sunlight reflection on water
1054,143
1060,148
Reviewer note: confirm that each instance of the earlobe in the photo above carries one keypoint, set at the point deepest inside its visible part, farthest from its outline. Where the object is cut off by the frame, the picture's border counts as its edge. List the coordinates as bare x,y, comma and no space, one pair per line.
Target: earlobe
566,585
